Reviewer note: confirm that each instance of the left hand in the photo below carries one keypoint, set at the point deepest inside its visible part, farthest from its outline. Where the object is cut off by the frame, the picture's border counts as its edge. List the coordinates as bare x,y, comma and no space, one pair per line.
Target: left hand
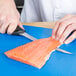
63,28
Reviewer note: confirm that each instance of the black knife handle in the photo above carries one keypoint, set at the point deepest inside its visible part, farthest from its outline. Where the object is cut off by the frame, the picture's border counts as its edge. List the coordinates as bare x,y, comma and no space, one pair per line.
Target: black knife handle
70,34
18,31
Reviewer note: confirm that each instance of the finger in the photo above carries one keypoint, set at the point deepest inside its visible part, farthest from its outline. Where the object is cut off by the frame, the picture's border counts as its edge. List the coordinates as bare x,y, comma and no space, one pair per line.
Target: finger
71,38
11,28
2,20
67,31
1,23
4,27
63,26
57,24
55,29
20,24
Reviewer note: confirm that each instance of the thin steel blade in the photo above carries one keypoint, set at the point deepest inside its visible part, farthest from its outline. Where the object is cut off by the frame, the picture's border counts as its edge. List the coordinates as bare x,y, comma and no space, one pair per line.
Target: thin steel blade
64,51
28,36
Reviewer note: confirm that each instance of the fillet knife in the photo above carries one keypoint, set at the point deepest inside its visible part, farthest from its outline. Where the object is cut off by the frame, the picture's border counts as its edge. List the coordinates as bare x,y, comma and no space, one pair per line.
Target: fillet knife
20,31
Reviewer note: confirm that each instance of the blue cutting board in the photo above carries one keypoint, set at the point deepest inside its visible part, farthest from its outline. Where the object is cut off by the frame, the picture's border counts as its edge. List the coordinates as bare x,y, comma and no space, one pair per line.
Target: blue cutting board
59,64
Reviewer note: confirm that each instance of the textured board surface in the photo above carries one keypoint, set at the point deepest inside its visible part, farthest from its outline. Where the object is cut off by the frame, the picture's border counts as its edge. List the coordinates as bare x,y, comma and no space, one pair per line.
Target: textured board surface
59,64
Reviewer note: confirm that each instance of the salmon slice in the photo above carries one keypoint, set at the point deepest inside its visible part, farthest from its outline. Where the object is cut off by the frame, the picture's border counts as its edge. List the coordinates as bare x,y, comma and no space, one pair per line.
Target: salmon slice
34,53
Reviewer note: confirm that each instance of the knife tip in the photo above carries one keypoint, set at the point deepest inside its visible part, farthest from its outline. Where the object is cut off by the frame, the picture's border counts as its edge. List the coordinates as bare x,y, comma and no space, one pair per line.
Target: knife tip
60,50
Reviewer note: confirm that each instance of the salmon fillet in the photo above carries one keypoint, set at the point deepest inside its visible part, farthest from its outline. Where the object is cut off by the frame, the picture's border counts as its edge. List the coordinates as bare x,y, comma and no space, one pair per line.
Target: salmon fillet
34,53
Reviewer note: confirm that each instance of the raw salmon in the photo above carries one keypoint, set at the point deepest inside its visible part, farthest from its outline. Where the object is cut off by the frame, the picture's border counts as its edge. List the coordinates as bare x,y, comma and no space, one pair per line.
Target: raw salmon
34,53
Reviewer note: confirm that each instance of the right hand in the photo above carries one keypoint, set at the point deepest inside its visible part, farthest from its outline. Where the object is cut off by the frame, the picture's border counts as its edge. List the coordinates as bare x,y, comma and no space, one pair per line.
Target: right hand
9,16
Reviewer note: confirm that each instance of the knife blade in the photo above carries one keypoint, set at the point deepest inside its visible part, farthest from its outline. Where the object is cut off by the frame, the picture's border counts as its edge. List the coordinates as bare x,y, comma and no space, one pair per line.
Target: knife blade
63,51
28,36
20,31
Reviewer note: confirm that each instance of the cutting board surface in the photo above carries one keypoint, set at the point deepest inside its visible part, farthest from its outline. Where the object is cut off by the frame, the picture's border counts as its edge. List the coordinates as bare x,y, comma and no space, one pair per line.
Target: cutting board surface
59,64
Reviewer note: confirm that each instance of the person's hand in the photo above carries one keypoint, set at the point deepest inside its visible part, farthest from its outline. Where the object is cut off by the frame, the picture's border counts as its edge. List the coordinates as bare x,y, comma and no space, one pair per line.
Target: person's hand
63,28
9,16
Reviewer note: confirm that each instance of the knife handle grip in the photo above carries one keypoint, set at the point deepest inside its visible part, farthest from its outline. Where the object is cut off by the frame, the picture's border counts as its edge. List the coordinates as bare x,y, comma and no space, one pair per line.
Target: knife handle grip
70,34
18,31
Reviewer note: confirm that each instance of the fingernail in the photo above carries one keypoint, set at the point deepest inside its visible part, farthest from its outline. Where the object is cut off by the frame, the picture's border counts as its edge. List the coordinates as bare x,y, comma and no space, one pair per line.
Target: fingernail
66,42
61,41
57,38
53,36
2,32
22,27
